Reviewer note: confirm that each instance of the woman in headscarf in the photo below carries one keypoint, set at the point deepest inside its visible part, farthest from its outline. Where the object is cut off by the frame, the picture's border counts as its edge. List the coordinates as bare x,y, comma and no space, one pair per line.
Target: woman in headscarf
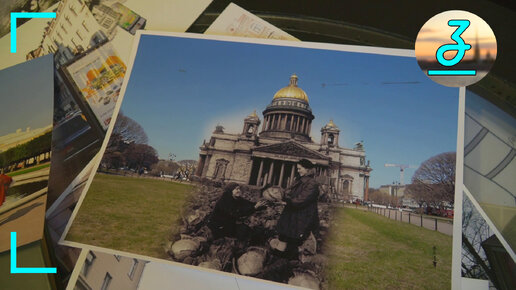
300,216
230,208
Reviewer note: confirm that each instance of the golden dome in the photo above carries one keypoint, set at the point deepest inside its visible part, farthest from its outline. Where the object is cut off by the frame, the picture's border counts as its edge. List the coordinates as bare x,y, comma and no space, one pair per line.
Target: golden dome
331,125
292,91
253,115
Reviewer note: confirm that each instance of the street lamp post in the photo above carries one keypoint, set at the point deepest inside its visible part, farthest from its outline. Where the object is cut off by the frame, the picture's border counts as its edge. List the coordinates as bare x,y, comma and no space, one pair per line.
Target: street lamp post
395,185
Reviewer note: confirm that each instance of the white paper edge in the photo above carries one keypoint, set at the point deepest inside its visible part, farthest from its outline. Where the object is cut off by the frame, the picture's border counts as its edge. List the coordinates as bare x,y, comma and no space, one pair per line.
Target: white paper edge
77,269
456,273
313,45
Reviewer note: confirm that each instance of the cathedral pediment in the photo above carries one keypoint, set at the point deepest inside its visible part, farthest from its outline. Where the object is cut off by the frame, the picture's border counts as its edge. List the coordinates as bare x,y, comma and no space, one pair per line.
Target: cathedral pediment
290,151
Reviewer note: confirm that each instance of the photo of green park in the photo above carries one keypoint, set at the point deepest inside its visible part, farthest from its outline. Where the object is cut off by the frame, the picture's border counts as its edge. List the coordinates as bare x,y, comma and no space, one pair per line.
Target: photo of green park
361,242
311,175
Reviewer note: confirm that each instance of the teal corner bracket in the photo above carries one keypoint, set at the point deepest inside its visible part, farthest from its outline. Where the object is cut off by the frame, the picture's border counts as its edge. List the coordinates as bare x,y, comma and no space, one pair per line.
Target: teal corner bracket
16,270
16,15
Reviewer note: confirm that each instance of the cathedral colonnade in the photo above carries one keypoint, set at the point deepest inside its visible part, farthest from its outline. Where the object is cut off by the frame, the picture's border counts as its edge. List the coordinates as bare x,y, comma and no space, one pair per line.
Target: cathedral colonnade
277,172
296,123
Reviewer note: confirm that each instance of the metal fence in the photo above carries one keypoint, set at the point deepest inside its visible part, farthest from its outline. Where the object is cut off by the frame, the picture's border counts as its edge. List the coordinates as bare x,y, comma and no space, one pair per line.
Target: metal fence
432,223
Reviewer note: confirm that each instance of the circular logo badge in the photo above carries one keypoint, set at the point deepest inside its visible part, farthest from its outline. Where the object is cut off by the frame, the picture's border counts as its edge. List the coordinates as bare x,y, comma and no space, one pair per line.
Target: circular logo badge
455,48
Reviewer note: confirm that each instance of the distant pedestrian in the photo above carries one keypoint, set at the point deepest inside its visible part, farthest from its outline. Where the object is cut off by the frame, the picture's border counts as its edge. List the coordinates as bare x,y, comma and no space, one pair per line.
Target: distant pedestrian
5,182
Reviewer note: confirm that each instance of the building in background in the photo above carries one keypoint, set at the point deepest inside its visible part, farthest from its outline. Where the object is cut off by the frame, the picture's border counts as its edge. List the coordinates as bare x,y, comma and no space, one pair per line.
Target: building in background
394,189
107,18
74,27
270,156
106,271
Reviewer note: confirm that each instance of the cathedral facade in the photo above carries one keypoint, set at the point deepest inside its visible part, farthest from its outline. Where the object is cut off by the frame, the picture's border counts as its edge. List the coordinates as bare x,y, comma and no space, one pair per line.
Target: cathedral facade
268,156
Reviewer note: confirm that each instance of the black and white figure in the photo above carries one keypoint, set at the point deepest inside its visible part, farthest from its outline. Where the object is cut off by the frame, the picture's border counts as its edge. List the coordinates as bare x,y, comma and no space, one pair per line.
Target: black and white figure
300,216
268,232
226,219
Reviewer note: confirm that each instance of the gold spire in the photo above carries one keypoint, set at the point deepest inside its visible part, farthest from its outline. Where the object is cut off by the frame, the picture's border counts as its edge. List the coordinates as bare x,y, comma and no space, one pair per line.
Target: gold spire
293,81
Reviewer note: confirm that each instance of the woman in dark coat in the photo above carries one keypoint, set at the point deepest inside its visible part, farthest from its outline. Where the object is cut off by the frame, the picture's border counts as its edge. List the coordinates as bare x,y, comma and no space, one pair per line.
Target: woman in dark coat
300,215
231,207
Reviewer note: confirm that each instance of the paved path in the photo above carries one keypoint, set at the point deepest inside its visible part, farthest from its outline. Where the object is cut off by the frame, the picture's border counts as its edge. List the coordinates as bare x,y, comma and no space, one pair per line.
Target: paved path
33,176
432,223
26,219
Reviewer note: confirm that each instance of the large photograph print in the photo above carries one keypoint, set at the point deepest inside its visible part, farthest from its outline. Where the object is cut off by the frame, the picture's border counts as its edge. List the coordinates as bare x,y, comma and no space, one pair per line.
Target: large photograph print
321,166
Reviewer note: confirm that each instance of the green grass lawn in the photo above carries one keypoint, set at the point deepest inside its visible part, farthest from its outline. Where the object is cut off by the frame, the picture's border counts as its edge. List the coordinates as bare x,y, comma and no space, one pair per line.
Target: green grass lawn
28,170
368,251
129,214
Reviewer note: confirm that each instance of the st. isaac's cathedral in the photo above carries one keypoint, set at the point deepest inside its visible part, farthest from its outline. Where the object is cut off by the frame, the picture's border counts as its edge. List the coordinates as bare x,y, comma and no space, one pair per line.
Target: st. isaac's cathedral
269,156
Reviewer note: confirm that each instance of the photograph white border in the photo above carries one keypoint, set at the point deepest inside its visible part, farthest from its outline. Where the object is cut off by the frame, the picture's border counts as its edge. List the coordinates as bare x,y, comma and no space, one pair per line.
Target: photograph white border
456,273
313,45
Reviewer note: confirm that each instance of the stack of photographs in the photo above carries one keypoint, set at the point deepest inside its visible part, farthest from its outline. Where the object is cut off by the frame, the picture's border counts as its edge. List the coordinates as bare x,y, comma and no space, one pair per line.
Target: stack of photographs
147,160
205,154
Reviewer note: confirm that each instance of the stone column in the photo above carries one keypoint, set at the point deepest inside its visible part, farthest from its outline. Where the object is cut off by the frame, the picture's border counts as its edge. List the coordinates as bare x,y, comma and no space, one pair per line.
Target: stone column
366,194
259,179
309,128
292,173
283,122
271,168
200,165
281,173
206,166
302,129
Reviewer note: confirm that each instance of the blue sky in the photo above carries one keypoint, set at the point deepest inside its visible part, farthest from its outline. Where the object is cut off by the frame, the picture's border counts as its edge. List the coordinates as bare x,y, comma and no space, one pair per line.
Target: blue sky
27,95
181,88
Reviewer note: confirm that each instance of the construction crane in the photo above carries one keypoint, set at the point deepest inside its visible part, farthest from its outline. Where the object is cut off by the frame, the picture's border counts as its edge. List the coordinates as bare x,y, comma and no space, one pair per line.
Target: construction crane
402,169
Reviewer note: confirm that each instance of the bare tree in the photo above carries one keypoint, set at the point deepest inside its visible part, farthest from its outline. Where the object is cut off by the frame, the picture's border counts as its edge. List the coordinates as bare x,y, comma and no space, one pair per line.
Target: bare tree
126,132
139,156
433,182
187,167
129,130
379,197
167,167
475,230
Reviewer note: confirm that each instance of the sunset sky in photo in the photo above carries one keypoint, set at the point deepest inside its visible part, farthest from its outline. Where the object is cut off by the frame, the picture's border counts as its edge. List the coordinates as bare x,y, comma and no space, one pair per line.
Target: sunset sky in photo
436,32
